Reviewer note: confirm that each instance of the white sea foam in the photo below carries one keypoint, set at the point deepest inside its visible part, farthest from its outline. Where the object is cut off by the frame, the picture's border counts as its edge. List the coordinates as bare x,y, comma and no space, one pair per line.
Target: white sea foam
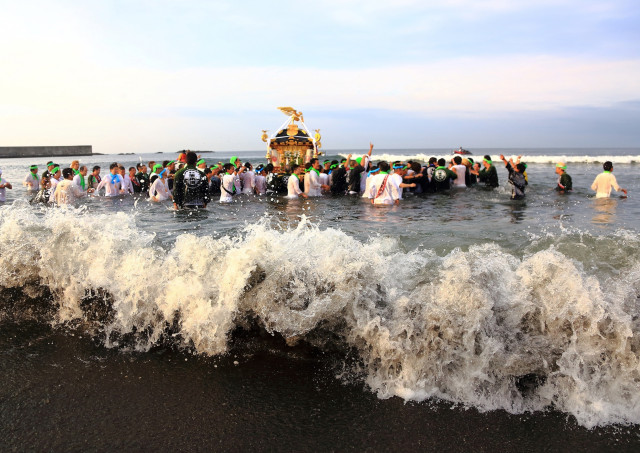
472,327
543,159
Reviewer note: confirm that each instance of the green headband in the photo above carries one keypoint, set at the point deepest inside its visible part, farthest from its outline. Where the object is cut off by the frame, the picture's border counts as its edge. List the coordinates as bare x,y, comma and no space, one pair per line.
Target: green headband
564,167
214,167
487,161
157,167
33,167
55,170
200,162
233,160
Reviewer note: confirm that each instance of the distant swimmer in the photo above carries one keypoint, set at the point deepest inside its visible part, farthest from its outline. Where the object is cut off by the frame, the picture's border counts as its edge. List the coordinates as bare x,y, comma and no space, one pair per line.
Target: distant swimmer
564,183
605,181
4,185
32,181
293,184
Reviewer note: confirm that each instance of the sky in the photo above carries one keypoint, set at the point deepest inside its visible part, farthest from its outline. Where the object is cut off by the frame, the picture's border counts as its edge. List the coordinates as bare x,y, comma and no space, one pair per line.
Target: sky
162,75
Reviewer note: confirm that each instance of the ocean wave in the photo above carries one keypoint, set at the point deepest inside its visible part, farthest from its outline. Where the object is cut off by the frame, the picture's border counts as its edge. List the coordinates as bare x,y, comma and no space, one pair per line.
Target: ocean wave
480,327
542,159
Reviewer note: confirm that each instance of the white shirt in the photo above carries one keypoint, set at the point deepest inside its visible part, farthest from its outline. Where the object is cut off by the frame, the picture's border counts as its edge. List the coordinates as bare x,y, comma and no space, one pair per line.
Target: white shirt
293,187
312,186
461,171
159,191
30,182
77,182
128,185
390,193
261,184
111,189
248,178
66,192
368,182
603,184
324,179
228,181
397,180
54,183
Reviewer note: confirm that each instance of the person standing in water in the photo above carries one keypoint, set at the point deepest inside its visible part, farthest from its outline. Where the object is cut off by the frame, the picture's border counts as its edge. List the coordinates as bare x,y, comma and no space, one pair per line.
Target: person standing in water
516,178
293,184
564,183
4,185
31,181
605,181
488,175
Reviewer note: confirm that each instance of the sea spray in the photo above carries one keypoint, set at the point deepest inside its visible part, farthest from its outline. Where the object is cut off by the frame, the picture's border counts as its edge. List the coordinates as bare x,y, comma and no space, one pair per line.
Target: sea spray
480,327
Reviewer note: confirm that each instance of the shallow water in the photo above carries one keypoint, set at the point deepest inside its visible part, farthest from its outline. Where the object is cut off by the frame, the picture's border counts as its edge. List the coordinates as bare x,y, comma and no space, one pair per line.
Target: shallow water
527,308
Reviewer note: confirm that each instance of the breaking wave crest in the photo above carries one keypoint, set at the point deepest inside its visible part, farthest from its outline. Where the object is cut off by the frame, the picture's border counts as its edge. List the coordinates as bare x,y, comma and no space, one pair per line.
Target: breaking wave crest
480,327
541,159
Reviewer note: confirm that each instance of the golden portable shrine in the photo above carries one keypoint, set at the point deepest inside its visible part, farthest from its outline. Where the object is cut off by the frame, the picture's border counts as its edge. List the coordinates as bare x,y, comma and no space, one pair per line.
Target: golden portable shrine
292,143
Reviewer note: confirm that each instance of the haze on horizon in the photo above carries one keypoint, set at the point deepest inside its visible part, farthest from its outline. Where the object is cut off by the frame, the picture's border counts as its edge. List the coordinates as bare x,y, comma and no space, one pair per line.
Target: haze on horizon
146,76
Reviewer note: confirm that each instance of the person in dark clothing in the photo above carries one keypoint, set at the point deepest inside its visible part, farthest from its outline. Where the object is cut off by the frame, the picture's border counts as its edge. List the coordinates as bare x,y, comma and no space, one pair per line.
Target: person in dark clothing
564,183
441,177
143,178
214,182
190,186
419,178
516,178
354,176
470,178
488,175
339,178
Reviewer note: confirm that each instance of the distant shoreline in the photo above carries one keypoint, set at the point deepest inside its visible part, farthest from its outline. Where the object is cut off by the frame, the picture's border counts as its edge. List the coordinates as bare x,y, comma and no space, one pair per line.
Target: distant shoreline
12,152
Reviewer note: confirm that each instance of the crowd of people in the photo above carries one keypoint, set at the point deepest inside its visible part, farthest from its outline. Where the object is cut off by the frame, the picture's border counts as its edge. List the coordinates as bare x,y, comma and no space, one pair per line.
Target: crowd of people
189,182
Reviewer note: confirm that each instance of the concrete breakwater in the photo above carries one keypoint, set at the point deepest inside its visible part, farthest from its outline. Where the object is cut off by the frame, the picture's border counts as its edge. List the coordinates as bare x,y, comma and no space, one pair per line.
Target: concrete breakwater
45,151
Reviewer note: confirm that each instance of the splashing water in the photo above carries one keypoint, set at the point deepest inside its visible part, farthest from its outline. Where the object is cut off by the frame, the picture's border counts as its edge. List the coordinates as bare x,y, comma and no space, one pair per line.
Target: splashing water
482,327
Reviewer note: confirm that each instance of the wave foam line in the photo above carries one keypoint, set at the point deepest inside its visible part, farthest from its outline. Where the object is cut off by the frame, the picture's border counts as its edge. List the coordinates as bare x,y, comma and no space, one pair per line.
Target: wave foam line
482,328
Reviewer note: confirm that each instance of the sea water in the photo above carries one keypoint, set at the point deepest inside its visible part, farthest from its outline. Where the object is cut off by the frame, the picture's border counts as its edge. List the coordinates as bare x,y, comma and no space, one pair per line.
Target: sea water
466,297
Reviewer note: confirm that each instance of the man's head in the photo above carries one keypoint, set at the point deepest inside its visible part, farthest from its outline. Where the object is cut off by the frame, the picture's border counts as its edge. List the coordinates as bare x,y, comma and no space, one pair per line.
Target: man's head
607,166
457,160
486,161
296,169
192,158
432,161
561,167
441,162
67,173
33,169
132,172
315,163
75,165
84,170
384,166
521,168
229,167
96,170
